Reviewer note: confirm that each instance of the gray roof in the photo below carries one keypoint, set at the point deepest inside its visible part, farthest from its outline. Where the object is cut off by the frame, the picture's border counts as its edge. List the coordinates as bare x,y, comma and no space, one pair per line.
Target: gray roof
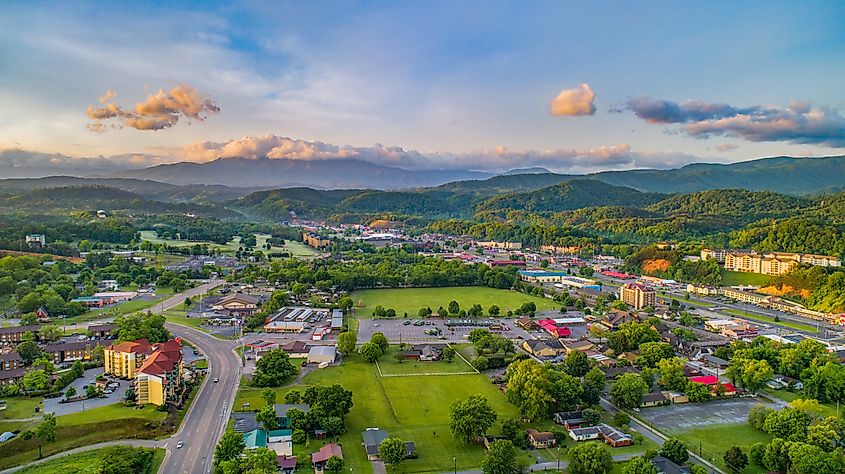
244,421
282,408
373,437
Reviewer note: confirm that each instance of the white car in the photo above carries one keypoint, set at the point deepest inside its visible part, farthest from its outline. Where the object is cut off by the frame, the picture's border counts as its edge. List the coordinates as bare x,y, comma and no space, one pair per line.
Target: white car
216,379
180,444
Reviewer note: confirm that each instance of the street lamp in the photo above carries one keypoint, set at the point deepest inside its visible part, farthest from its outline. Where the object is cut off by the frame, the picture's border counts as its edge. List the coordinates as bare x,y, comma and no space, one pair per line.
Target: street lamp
455,461
558,458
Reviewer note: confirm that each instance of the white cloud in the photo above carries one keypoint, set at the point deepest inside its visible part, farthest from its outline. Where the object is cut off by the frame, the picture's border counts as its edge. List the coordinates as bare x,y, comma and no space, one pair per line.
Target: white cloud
159,111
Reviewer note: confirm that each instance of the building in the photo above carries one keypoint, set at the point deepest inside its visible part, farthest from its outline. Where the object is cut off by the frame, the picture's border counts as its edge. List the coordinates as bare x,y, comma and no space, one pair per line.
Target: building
337,319
103,331
282,410
492,244
637,296
16,334
90,301
606,433
714,383
424,353
237,303
703,290
322,355
159,379
293,319
9,377
546,348
325,453
374,436
665,466
541,439
36,240
767,263
552,327
10,361
541,276
569,419
65,352
654,399
505,263
316,241
124,359
561,250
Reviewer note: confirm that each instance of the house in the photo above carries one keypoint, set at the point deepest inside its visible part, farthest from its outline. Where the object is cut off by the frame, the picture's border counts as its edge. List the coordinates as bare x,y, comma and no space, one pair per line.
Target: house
103,331
287,464
16,334
654,399
282,410
569,419
665,466
237,303
10,360
374,436
124,359
615,318
255,439
42,316
159,379
614,372
424,353
713,361
322,355
319,458
490,439
541,439
526,323
244,421
606,433
281,442
546,348
582,346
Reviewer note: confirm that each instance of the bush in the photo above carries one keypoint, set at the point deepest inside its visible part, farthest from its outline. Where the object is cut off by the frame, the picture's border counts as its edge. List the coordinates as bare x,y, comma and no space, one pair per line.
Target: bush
298,436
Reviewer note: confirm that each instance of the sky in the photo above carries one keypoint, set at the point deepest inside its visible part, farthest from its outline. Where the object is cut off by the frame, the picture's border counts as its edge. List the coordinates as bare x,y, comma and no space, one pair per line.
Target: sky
571,86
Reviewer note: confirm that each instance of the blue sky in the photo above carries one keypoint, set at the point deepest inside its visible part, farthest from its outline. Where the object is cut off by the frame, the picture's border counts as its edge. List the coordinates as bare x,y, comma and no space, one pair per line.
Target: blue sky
465,84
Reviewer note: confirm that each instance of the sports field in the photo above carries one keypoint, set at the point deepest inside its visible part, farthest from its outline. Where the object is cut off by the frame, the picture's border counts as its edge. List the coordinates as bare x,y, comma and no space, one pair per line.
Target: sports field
412,408
296,249
389,366
410,300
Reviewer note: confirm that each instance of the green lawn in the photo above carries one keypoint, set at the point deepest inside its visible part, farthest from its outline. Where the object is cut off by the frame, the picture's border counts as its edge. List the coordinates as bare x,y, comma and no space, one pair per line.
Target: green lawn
767,319
296,249
20,407
742,278
828,409
412,408
390,366
85,463
127,307
713,441
410,300
81,429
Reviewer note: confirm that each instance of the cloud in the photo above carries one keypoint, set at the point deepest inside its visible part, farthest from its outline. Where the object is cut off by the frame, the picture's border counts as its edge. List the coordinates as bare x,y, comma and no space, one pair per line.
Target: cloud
571,102
159,111
798,122
723,147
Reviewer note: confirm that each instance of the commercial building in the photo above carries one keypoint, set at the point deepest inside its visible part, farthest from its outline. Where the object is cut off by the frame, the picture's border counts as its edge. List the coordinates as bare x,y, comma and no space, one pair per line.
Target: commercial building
39,240
637,296
561,250
492,244
316,241
237,303
541,276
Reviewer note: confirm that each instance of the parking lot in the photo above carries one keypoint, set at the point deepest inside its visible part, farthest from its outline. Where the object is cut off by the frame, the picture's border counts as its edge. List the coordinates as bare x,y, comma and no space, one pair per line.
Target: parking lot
686,416
52,405
396,330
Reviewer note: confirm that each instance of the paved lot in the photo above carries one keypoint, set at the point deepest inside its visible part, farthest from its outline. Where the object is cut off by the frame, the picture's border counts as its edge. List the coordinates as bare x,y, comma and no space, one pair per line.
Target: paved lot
52,405
396,331
687,416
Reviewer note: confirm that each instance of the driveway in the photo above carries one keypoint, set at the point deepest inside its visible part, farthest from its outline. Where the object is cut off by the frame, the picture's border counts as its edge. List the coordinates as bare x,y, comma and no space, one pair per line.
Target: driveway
52,405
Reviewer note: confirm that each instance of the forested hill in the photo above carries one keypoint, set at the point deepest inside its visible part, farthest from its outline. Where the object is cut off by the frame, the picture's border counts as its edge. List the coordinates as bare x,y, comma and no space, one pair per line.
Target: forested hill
787,175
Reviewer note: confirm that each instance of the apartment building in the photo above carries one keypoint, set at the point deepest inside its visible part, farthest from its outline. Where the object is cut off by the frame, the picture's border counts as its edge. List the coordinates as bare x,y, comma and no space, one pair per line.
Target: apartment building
124,359
159,379
766,263
637,296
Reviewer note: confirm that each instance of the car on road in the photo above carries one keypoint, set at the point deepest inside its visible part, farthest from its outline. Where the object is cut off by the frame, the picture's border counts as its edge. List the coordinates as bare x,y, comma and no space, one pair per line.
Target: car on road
180,444
407,322
216,379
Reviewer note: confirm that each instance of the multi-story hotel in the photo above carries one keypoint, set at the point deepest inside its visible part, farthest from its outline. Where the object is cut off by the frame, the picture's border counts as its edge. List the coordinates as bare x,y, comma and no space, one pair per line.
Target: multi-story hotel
766,263
124,359
637,296
159,379
492,244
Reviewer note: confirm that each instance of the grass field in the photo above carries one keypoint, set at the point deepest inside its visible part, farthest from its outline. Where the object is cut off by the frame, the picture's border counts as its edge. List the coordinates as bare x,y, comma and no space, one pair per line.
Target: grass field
715,440
81,429
410,300
296,249
127,307
742,278
87,462
20,407
767,319
390,366
412,408
828,409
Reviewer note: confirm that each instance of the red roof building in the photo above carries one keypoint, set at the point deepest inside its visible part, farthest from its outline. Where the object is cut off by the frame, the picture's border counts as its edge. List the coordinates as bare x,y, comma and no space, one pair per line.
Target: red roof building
554,329
713,382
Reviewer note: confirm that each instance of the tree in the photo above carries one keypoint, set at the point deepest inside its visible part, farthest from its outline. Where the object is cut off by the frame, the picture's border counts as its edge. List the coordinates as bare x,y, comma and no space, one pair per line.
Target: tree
639,465
124,460
230,447
50,333
298,436
776,456
755,454
590,458
621,418
70,392
674,450
593,386
735,459
29,351
392,451
653,352
454,307
334,464
371,351
45,432
269,396
577,363
565,391
672,374
591,416
380,340
790,424
501,458
298,419
260,460
273,369
35,380
628,391
757,415
494,310
698,392
346,342
470,418
529,388
92,391
293,397
449,353
267,417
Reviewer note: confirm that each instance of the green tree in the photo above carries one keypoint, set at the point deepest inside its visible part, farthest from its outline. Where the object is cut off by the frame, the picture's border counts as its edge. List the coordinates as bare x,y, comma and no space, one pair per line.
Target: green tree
735,459
267,417
371,351
269,396
454,307
674,450
260,460
45,432
29,351
293,397
628,391
449,353
593,386
346,342
591,416
334,464
590,458
273,369
35,380
639,465
577,363
672,374
493,310
697,392
653,352
380,340
392,451
501,458
70,392
470,418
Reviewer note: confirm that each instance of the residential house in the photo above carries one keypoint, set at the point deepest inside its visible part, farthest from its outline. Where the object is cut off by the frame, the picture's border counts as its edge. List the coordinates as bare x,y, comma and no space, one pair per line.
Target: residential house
526,323
665,466
713,361
582,346
159,379
319,458
606,433
374,436
426,352
545,348
614,372
541,439
569,419
282,410
124,359
287,464
255,439
654,399
42,316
